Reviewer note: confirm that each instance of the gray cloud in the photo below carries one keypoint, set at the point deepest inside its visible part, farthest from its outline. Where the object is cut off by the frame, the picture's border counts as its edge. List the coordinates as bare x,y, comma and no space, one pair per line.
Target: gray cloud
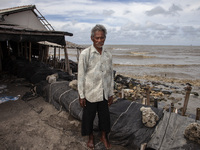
108,12
172,11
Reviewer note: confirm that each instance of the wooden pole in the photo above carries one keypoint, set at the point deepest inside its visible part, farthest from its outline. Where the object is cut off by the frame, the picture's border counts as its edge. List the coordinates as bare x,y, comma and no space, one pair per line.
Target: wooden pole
22,52
54,57
67,67
8,48
148,95
197,114
26,51
46,53
18,49
59,53
1,56
143,146
188,90
30,51
156,102
122,93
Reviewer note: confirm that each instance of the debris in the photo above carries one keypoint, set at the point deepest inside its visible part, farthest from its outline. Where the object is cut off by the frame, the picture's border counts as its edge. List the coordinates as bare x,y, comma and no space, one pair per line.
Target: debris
149,117
73,84
8,98
192,132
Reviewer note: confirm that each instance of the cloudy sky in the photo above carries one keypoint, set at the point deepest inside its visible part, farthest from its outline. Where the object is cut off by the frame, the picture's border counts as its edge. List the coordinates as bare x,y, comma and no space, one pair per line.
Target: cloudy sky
148,22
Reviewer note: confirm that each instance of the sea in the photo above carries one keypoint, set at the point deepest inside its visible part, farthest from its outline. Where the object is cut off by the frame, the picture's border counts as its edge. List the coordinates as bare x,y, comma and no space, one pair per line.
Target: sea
182,62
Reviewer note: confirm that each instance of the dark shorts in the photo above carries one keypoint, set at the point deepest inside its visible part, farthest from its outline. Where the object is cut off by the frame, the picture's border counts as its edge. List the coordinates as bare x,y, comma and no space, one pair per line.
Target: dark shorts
89,113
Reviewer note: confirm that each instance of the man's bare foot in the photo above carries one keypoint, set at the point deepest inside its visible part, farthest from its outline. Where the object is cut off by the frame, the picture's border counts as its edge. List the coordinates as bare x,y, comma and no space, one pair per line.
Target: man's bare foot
90,143
105,140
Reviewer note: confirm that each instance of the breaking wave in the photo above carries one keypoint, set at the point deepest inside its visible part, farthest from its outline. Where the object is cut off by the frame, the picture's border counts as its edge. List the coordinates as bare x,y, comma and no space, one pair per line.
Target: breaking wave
159,65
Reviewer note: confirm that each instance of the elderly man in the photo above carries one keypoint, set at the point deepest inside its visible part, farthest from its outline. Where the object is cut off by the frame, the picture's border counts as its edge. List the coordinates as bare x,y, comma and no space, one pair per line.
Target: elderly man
95,86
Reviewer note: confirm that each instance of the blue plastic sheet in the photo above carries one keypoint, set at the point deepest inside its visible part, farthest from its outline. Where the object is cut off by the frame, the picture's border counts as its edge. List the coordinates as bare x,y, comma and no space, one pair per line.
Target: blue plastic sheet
8,98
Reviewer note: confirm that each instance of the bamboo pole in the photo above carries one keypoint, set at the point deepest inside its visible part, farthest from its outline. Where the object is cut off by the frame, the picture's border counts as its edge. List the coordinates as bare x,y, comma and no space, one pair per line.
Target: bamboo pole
188,90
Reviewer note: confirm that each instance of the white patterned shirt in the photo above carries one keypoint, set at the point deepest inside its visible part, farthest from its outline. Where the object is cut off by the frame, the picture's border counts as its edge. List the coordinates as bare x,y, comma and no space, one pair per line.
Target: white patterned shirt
95,75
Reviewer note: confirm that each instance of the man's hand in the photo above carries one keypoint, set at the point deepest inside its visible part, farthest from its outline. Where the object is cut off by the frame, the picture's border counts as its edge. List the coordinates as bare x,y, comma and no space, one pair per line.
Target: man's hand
82,102
110,100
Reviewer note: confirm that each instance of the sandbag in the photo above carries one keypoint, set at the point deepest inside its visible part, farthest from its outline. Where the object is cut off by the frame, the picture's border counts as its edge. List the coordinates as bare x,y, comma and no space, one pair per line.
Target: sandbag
169,133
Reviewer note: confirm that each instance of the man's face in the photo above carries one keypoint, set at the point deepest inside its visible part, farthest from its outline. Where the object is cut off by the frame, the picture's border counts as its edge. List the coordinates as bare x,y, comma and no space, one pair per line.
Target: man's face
98,39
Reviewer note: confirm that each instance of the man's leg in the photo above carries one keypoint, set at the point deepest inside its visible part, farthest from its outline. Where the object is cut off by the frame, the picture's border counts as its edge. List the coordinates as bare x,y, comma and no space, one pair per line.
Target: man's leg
105,140
104,122
89,113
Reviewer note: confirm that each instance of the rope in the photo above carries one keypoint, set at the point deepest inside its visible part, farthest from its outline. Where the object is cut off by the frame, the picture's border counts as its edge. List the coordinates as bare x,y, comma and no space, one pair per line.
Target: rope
56,90
71,104
63,94
165,131
121,115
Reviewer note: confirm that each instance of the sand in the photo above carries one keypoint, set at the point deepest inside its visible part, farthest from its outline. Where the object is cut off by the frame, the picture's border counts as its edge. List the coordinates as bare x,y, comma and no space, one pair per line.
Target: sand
36,124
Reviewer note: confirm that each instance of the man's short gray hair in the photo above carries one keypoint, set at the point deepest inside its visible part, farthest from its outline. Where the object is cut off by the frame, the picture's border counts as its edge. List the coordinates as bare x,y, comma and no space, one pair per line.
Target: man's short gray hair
98,27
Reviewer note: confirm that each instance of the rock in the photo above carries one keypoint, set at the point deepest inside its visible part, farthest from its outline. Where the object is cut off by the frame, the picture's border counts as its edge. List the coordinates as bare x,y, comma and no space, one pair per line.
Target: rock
156,89
149,117
74,84
52,78
192,132
167,92
195,93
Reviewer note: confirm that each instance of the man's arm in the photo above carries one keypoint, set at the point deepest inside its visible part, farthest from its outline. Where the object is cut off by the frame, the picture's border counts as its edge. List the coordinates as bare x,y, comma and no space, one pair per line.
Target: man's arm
81,79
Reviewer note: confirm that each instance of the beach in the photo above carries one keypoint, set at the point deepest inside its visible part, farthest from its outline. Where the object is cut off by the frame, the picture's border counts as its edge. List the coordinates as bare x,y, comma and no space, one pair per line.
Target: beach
172,65
37,124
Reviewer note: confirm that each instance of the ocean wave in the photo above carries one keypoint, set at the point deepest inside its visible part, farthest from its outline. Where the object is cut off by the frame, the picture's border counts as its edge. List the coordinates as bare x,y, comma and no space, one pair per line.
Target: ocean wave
159,65
131,56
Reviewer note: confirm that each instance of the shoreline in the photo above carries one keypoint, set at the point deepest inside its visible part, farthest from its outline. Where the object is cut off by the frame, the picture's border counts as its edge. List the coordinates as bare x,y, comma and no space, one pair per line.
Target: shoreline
195,82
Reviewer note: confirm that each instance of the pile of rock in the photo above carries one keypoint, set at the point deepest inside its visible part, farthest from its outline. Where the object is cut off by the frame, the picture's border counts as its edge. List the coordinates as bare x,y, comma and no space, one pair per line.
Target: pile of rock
136,90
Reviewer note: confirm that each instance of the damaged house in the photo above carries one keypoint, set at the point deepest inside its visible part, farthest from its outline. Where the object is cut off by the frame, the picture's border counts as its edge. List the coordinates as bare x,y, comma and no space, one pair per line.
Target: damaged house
23,30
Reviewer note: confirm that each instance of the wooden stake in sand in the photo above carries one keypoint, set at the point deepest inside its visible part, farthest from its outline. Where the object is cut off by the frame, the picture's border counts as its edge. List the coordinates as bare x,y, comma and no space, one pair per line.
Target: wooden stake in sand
148,95
188,90
197,114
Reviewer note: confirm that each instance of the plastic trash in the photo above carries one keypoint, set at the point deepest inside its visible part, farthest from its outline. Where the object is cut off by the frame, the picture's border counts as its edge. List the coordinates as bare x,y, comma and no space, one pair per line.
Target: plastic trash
8,98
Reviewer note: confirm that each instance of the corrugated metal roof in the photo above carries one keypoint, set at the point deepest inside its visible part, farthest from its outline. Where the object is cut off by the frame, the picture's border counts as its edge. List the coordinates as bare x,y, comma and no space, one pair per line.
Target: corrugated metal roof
16,9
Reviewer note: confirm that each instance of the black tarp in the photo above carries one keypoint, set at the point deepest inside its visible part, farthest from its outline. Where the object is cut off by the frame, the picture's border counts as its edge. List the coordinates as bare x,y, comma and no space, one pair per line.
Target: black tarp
34,71
169,134
127,128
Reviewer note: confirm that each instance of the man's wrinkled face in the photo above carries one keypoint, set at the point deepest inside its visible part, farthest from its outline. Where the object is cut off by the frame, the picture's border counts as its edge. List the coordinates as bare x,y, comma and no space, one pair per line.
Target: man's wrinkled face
98,39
